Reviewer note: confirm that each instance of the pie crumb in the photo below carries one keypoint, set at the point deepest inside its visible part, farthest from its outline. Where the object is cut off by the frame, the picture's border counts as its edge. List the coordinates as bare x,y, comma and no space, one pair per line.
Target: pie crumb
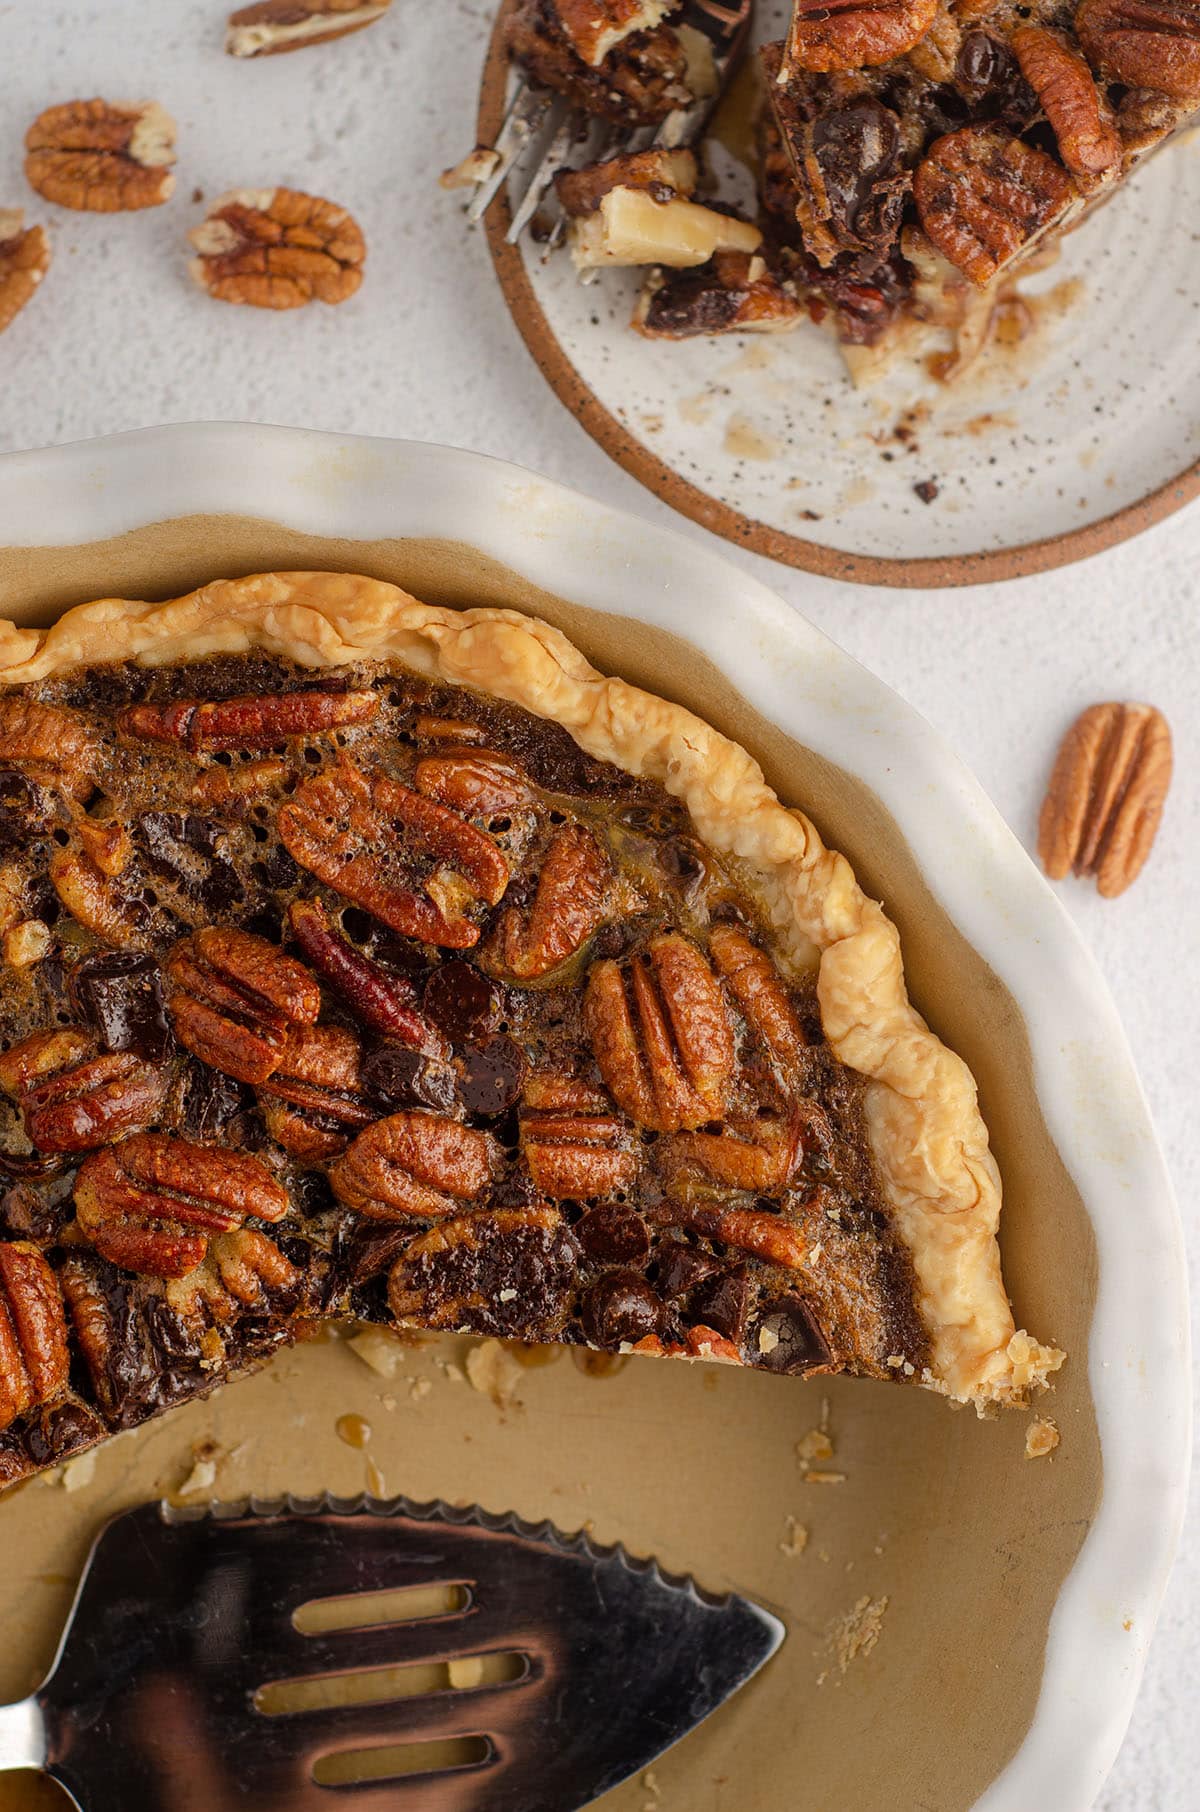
203,1475
78,1472
379,1349
1041,1438
494,1372
815,1445
650,1783
420,1387
796,1539
823,1478
858,1631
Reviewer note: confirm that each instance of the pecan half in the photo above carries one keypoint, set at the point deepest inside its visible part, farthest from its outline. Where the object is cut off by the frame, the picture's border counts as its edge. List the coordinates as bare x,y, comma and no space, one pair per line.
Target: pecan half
661,1035
235,999
1106,795
102,156
574,1145
53,746
273,26
151,1203
476,782
595,27
33,1331
568,908
414,1164
71,1099
851,34
24,261
359,834
247,723
1080,115
278,248
315,1094
242,1270
984,196
383,1002
507,1272
759,1155
758,989
1144,43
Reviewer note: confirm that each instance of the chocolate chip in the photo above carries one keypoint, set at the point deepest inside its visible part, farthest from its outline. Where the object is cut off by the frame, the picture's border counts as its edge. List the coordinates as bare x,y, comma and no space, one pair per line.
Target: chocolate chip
786,1338
491,1076
927,490
681,1268
620,1308
857,149
461,1002
399,1077
614,1234
724,1304
22,811
119,993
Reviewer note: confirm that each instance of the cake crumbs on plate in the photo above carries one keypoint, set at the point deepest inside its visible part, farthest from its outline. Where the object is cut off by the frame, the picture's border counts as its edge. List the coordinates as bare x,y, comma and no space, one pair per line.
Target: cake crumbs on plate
822,1477
858,1631
203,1475
1041,1438
653,1791
419,1388
795,1538
78,1472
378,1348
815,1445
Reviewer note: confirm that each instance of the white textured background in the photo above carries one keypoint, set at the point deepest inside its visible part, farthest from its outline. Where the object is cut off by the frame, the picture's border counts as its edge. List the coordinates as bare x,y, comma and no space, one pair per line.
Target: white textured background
118,338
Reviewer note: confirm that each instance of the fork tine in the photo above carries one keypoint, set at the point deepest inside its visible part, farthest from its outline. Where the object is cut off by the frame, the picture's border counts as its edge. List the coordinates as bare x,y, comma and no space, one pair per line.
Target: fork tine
521,123
552,160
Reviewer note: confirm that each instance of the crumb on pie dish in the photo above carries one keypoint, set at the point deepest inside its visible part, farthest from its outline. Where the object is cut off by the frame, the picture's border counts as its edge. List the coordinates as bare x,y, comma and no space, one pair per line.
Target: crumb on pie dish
914,158
375,960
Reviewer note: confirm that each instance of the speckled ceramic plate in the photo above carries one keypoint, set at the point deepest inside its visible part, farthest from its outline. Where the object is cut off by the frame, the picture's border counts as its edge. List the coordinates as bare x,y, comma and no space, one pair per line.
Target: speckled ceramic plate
1079,435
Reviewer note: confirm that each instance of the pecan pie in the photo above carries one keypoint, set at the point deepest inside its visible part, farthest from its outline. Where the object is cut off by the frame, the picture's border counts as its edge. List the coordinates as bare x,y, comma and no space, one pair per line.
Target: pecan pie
369,959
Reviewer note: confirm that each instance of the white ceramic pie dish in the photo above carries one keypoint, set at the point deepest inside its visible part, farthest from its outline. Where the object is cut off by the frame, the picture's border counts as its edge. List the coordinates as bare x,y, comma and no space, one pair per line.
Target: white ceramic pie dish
1089,1093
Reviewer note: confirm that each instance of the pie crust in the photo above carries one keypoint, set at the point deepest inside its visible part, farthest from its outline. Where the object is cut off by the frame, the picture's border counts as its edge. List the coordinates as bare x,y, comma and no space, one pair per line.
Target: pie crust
929,1142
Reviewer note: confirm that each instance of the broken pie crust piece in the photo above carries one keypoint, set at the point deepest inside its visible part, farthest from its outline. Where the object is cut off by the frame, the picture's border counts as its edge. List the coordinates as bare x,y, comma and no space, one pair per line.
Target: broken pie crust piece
929,1142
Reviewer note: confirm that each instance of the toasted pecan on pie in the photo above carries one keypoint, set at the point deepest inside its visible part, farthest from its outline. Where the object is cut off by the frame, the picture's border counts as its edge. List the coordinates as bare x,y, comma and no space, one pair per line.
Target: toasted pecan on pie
441,981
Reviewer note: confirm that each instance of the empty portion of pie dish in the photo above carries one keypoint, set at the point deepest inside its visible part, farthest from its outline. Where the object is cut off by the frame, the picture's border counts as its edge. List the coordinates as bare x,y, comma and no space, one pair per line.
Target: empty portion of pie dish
369,958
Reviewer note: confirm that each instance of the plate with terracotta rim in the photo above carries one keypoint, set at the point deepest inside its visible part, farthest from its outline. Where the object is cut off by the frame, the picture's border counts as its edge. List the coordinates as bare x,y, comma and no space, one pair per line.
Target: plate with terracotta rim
1052,447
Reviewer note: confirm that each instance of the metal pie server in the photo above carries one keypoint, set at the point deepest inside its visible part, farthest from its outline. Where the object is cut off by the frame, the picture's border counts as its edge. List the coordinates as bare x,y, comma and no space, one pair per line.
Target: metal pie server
567,1667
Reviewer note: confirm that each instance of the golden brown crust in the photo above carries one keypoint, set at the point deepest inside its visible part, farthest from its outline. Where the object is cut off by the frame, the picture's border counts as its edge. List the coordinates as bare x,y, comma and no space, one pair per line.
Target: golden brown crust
928,1139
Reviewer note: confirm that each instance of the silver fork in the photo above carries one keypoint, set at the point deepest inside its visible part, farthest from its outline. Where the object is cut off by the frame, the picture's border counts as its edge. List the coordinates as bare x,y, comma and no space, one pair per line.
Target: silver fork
543,126
190,1679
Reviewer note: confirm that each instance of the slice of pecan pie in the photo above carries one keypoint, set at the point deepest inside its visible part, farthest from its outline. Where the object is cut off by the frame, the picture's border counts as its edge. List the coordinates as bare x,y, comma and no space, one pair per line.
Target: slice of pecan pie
368,959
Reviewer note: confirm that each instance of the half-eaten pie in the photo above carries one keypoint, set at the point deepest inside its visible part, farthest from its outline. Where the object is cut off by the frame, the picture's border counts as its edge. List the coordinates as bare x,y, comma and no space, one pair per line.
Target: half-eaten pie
363,958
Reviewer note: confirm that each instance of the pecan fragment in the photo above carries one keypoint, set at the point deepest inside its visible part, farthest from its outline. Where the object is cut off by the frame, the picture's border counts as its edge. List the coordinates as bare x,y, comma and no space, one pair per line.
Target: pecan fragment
383,1002
507,1272
358,833
574,1145
24,261
33,1331
595,27
151,1203
476,782
315,1095
278,248
235,998
1106,795
851,34
1144,43
735,293
984,196
241,785
661,1035
272,26
71,1099
101,156
759,1155
247,723
52,745
95,900
1082,119
569,906
765,1236
759,991
413,1164
242,1270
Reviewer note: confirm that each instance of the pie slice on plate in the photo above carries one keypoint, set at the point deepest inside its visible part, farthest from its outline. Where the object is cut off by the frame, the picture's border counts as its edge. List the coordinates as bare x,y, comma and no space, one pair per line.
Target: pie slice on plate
364,958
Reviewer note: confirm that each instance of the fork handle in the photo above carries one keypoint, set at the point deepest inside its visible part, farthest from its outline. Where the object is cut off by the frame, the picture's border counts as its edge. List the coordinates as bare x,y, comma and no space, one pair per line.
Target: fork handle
22,1736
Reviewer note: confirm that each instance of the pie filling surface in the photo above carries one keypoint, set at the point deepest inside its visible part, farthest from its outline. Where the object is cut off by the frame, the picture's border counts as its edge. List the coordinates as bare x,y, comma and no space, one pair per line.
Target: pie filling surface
369,959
